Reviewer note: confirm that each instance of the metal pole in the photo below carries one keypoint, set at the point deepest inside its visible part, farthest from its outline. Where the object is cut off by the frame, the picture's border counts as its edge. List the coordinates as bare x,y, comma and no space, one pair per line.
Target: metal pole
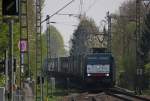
6,70
68,85
11,75
109,32
41,85
139,62
51,87
139,68
50,56
47,23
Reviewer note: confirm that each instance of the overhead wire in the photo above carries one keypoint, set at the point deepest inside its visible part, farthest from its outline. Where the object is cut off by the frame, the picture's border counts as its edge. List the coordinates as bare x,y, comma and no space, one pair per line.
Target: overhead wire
66,24
58,11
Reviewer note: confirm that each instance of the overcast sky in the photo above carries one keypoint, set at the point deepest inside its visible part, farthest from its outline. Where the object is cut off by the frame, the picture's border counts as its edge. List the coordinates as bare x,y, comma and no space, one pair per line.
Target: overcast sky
95,9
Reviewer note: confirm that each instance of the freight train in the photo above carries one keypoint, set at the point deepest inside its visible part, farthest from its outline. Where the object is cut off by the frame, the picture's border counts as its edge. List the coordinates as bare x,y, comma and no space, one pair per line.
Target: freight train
92,70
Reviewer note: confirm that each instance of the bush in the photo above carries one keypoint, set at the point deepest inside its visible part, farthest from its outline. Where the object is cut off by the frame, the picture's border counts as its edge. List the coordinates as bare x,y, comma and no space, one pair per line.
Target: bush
147,76
2,80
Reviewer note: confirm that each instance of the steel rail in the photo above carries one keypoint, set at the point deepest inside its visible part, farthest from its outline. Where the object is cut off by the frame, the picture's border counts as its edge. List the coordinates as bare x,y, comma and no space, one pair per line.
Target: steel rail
129,94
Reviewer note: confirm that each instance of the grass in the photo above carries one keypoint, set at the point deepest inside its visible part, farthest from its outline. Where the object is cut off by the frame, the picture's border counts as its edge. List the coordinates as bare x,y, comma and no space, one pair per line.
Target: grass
55,95
147,92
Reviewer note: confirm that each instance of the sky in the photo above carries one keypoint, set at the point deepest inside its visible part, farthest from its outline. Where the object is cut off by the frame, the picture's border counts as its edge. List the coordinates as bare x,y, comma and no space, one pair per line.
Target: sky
95,9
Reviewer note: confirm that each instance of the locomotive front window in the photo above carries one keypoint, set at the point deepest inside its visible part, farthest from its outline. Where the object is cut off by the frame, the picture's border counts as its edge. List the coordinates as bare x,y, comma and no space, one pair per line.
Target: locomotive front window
101,68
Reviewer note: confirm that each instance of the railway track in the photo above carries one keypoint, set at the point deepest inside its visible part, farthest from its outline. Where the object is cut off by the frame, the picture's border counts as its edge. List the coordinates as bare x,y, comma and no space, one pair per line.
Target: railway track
91,97
112,94
125,95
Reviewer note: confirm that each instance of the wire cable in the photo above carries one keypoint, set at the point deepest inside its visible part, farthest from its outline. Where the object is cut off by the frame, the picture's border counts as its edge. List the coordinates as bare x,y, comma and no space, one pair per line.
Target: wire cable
58,11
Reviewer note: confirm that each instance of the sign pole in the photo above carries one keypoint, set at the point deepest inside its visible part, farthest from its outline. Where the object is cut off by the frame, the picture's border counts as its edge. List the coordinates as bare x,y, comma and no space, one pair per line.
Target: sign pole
11,68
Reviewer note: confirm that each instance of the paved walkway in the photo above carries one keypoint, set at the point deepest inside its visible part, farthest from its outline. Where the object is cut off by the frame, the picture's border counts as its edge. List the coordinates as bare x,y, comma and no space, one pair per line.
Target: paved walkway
29,96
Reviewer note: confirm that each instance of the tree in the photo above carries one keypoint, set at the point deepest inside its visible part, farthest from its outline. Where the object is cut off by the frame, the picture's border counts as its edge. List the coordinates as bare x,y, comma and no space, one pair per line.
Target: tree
84,37
56,43
145,48
145,45
123,43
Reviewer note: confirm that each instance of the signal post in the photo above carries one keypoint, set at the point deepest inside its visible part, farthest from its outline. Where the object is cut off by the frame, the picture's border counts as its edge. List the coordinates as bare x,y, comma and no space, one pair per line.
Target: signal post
10,9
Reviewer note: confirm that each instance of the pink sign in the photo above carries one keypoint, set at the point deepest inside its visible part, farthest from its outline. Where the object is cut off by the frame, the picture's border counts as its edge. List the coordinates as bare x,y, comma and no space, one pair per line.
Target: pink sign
22,45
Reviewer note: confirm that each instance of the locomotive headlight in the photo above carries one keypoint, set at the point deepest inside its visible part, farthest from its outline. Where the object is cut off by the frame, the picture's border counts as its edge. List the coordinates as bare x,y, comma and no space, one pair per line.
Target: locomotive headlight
107,74
88,74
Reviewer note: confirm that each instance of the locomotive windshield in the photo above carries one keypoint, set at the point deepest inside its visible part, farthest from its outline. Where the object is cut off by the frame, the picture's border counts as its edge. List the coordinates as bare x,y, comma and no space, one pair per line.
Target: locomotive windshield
99,68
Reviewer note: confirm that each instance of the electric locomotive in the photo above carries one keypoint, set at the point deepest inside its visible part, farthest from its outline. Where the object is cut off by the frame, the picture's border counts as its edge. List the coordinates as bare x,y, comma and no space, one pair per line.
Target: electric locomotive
99,70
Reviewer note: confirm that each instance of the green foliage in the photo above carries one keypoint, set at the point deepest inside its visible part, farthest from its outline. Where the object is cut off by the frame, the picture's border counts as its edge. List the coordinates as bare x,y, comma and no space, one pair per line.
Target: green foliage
145,45
2,80
3,38
123,44
145,49
147,76
56,43
4,41
147,68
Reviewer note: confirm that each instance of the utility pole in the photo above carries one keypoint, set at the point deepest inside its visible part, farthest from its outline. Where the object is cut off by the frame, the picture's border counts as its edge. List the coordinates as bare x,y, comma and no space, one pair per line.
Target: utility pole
24,42
48,52
139,64
109,32
139,61
39,68
47,20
